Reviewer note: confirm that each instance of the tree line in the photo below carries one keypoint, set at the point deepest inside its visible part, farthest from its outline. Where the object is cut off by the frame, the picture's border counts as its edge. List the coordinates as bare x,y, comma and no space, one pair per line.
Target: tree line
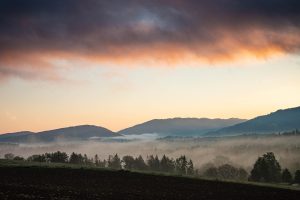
181,165
265,169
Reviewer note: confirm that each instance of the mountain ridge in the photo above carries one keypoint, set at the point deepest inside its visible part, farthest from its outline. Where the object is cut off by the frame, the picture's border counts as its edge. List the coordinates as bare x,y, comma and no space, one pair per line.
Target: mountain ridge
80,132
278,121
180,126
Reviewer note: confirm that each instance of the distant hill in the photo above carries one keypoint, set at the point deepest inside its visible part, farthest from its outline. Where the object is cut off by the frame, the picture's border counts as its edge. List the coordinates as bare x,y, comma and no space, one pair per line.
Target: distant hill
84,132
281,120
180,126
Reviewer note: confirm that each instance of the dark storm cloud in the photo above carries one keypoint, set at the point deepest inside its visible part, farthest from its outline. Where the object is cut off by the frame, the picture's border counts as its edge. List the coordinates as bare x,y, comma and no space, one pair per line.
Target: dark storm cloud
207,28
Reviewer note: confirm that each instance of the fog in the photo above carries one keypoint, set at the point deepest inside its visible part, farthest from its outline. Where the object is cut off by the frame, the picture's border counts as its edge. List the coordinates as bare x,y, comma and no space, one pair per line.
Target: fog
238,151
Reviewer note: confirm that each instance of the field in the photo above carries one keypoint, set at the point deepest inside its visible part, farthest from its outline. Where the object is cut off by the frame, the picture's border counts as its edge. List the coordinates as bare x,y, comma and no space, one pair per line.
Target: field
66,182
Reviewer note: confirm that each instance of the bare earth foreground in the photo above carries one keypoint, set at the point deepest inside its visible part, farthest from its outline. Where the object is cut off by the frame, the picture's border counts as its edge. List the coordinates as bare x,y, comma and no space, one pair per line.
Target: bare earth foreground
20,182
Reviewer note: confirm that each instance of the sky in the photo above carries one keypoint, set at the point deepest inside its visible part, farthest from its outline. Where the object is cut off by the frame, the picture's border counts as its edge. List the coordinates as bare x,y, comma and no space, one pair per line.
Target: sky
118,63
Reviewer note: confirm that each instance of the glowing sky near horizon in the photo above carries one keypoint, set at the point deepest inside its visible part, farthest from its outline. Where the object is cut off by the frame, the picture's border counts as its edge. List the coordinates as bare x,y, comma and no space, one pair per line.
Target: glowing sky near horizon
118,63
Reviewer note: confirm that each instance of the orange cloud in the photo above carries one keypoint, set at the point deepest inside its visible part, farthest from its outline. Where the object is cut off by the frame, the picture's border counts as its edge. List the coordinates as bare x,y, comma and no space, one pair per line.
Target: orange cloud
148,33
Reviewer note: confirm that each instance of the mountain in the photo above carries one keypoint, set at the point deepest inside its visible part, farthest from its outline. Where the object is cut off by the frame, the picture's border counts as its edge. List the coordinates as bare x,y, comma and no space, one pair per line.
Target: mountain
180,126
12,136
83,132
281,120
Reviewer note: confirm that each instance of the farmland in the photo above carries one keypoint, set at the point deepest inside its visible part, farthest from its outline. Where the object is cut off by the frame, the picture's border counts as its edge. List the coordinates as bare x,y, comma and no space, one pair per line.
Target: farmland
21,181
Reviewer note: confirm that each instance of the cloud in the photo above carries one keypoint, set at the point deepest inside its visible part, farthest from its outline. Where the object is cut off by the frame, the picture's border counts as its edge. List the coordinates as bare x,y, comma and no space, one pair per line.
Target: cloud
134,31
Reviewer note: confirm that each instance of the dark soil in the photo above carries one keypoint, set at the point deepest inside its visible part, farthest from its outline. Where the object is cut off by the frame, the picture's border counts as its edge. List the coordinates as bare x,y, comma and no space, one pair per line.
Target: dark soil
64,183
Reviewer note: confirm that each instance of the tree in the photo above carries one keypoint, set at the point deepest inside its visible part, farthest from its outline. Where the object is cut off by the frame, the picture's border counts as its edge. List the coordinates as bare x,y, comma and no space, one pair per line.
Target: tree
153,163
266,169
114,162
190,168
86,160
167,164
76,158
37,158
228,172
19,158
139,163
9,156
57,157
211,172
242,174
96,160
102,164
297,176
181,165
286,176
129,162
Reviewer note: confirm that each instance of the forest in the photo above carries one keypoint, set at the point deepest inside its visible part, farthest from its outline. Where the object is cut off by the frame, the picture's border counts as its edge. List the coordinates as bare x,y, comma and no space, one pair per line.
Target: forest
265,169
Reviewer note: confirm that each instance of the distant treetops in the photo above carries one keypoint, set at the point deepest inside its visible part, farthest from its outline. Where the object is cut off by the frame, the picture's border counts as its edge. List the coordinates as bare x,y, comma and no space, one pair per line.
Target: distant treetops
265,169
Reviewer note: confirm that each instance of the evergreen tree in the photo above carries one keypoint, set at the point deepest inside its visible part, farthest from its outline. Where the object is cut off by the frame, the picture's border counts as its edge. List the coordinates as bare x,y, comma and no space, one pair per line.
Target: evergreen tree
57,157
181,165
190,168
153,163
102,164
114,162
166,164
76,158
139,163
266,169
297,176
286,176
96,160
129,162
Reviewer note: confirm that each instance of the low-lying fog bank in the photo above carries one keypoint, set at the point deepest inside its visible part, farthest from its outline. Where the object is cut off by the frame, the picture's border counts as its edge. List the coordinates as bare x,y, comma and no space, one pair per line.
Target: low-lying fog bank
238,151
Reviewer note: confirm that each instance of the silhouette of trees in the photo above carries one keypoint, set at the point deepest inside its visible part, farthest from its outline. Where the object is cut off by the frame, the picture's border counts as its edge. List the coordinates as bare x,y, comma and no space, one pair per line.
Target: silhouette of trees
153,163
9,156
76,158
96,160
181,165
57,157
297,176
139,163
37,158
211,172
19,158
226,171
266,169
286,176
87,161
190,168
242,174
167,164
114,162
129,162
